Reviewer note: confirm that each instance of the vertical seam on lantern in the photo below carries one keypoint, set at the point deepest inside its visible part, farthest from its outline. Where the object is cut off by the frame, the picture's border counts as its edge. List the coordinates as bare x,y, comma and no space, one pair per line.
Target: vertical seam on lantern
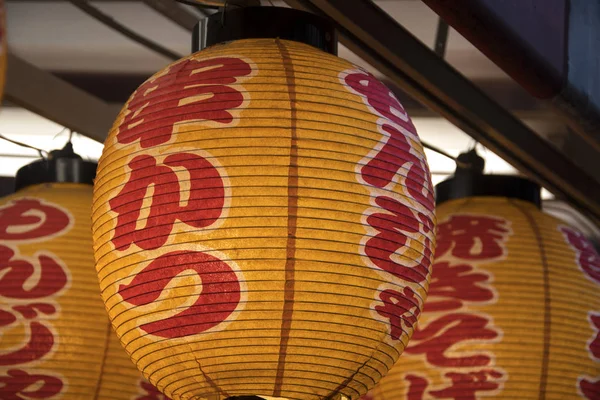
288,302
211,382
104,357
547,305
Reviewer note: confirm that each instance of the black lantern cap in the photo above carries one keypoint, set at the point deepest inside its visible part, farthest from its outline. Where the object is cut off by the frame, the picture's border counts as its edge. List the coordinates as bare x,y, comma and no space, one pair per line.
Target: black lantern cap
469,181
61,166
265,22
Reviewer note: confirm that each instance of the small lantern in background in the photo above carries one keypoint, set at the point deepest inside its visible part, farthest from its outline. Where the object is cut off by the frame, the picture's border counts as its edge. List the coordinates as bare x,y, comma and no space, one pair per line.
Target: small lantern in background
55,339
514,303
263,218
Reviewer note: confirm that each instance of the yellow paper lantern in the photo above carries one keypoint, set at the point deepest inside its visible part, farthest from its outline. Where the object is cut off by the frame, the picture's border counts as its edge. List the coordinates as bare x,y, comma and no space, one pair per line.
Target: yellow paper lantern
513,310
55,339
263,220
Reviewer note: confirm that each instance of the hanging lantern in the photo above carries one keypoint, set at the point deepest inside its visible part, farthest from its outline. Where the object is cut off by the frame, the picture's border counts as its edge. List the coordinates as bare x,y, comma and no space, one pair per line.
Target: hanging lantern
55,339
514,305
263,218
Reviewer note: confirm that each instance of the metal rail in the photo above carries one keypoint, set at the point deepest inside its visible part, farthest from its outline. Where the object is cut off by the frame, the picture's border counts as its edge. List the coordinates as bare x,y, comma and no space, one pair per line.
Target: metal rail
51,97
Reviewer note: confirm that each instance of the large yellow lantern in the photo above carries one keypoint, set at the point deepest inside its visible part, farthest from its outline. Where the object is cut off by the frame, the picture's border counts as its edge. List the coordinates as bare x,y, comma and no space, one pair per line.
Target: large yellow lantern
514,304
55,339
263,221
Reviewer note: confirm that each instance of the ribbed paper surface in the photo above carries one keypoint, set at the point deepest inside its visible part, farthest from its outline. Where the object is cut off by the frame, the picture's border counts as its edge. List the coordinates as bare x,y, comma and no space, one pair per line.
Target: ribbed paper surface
55,338
262,223
513,311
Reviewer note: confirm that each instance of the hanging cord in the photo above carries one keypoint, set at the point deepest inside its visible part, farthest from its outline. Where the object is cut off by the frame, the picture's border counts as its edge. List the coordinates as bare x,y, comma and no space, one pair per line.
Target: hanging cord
442,152
40,151
441,38
122,29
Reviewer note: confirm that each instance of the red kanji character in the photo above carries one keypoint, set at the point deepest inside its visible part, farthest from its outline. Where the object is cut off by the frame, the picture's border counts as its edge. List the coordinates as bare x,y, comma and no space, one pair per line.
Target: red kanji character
587,256
16,274
381,248
589,388
465,385
151,393
367,396
402,309
594,344
382,168
472,237
452,284
380,98
190,91
417,385
419,185
40,340
444,332
204,205
28,219
220,294
20,385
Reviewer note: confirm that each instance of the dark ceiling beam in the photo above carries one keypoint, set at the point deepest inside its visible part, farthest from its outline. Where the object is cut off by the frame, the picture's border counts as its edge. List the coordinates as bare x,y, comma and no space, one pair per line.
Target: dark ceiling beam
379,40
171,10
551,47
51,97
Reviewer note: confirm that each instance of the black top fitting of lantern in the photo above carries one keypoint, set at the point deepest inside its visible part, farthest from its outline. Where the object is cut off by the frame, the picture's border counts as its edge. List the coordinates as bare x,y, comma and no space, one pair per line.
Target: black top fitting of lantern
469,181
64,166
265,22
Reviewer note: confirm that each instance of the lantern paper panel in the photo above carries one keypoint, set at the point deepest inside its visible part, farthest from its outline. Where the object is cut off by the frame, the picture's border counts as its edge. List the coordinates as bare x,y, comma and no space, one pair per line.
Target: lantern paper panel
55,339
513,310
263,224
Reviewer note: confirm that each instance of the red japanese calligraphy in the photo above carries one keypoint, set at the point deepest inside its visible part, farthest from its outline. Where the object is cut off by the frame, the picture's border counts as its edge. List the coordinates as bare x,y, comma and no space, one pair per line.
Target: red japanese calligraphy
220,294
150,392
382,247
417,385
465,385
467,237
30,278
451,285
588,258
381,169
22,279
402,310
441,334
40,339
190,91
20,385
379,97
29,219
590,388
204,204
472,237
